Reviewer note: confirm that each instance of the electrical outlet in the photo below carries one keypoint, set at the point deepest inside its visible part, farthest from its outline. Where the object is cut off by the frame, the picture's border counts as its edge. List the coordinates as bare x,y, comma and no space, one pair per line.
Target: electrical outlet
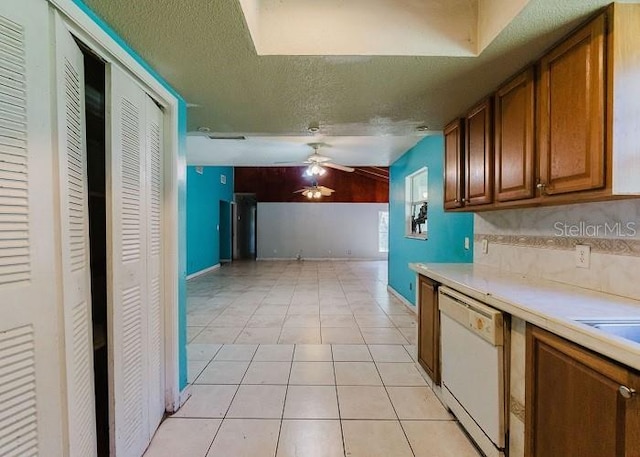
583,255
485,246
466,243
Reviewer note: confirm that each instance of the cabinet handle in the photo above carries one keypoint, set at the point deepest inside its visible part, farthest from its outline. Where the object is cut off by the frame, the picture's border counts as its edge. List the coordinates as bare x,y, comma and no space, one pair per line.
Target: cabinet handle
626,392
542,187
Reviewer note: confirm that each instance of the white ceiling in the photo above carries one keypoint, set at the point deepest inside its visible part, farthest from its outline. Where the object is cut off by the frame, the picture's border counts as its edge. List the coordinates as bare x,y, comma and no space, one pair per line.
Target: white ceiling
377,27
273,150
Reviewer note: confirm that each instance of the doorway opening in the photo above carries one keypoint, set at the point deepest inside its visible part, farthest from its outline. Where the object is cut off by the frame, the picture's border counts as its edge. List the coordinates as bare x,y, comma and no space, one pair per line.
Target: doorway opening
225,231
96,128
245,230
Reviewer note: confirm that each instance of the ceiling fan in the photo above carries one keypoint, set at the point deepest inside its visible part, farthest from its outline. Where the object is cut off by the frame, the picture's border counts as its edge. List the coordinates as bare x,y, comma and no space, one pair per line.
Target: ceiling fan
318,162
315,191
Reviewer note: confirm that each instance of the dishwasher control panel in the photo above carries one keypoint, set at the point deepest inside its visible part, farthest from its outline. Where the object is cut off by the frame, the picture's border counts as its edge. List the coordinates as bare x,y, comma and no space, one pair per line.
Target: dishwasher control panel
481,324
484,321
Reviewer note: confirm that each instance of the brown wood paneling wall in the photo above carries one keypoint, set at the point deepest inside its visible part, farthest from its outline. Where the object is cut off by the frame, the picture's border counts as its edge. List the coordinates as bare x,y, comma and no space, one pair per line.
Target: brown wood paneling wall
277,184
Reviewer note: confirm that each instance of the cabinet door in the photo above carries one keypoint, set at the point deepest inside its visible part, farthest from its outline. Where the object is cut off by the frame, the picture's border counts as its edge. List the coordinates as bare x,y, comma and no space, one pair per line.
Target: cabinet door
573,404
453,166
429,329
513,139
479,155
572,113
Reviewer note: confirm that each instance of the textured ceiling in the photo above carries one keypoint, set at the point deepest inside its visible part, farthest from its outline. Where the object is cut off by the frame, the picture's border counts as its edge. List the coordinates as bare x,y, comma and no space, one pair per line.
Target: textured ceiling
204,50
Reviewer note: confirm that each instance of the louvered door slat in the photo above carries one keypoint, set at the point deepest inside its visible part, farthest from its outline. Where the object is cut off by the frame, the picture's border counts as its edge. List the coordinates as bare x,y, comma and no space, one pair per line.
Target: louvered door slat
14,179
18,422
72,160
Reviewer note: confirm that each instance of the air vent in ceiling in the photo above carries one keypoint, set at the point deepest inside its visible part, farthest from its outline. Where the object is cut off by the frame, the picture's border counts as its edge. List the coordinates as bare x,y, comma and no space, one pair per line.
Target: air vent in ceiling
227,137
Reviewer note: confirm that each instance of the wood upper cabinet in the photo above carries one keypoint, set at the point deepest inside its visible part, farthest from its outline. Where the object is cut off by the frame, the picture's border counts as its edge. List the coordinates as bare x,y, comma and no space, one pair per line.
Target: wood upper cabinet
429,328
575,405
572,112
479,155
514,139
453,164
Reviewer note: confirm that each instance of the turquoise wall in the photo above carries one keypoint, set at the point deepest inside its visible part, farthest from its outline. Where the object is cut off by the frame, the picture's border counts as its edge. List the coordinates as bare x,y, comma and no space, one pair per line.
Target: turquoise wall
181,175
446,231
204,193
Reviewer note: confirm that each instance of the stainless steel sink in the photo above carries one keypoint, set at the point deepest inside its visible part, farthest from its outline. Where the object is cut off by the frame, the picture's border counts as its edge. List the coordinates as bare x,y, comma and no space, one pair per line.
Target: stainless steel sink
628,330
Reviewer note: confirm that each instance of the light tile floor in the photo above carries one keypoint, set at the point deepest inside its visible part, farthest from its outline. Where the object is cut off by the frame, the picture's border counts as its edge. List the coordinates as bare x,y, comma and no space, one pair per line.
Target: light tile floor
305,359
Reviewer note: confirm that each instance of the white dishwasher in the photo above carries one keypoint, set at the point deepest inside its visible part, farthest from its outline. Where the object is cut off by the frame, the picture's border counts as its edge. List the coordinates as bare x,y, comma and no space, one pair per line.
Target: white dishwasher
473,368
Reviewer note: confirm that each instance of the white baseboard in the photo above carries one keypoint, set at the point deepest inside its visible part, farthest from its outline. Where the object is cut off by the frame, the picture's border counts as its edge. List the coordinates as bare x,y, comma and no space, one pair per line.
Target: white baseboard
201,272
404,301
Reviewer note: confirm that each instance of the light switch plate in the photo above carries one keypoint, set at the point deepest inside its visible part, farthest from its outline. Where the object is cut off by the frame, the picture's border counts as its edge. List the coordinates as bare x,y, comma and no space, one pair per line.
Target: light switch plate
485,246
583,255
466,242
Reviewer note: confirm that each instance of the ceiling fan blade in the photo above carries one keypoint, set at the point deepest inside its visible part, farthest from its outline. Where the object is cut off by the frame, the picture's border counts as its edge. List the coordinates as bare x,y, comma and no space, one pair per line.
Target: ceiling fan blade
339,167
326,189
299,191
317,158
286,163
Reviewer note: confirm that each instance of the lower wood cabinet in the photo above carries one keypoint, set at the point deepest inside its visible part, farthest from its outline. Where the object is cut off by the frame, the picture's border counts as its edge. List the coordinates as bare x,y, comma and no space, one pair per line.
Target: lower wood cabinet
429,328
578,403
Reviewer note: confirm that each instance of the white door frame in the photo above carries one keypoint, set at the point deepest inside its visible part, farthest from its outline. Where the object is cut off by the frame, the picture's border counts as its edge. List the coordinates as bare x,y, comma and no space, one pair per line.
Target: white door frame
104,45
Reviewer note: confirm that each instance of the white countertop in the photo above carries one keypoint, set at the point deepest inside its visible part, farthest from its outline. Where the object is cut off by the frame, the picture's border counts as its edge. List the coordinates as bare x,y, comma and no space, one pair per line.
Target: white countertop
550,305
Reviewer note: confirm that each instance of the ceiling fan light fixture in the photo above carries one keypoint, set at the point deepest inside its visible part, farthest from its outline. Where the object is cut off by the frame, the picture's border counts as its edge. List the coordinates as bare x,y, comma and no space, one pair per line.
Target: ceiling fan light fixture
317,194
315,170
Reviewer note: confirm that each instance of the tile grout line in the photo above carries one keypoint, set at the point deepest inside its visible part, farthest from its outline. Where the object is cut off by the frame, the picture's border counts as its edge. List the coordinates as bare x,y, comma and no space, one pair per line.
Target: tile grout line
284,403
205,367
384,385
335,377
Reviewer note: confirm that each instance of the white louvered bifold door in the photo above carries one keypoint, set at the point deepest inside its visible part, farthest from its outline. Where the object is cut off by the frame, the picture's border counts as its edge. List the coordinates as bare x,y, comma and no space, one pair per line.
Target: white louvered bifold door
30,389
127,265
154,170
74,228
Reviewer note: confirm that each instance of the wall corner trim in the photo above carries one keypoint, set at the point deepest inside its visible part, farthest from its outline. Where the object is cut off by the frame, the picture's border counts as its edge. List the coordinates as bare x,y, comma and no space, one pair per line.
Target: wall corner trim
405,302
201,272
184,395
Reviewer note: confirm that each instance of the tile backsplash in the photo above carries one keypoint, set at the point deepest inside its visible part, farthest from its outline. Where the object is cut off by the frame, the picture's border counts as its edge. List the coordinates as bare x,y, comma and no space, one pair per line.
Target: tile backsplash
540,242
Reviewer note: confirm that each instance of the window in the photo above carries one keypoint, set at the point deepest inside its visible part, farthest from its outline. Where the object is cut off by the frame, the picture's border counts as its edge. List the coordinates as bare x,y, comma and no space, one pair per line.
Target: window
383,231
416,204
